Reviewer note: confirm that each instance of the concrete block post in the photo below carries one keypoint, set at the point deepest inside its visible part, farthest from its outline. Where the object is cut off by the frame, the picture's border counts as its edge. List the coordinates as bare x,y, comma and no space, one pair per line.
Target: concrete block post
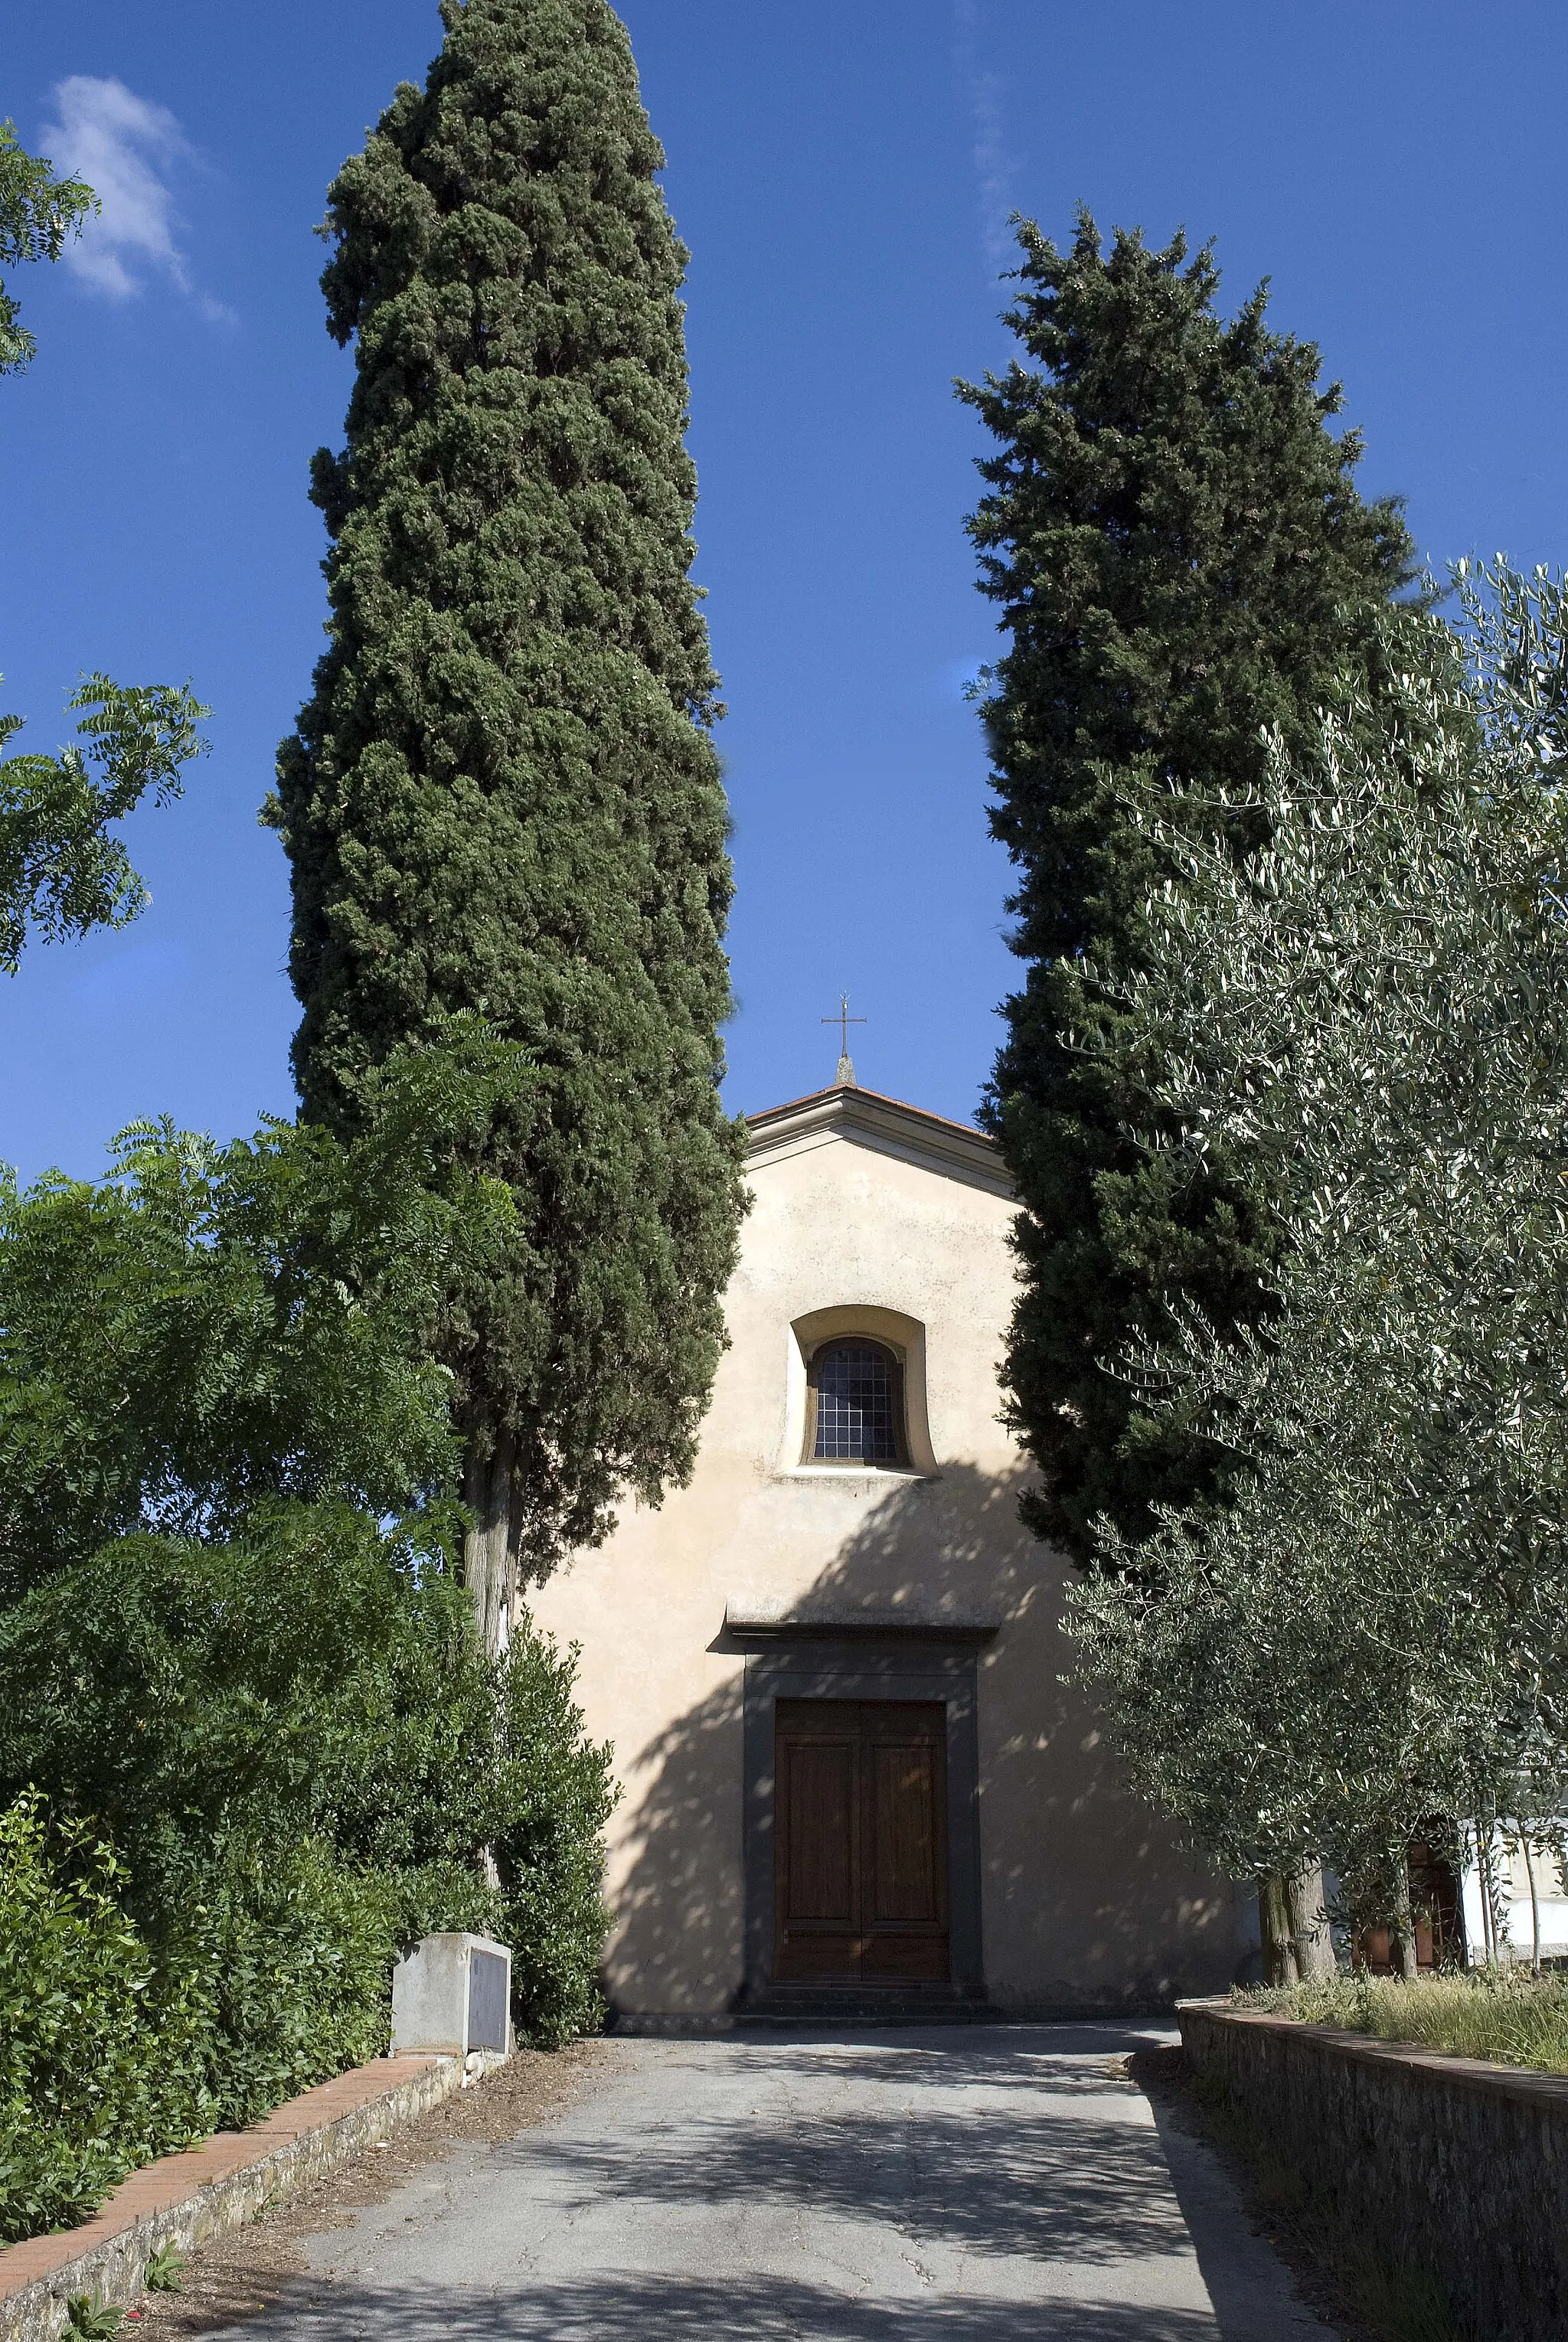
452,1996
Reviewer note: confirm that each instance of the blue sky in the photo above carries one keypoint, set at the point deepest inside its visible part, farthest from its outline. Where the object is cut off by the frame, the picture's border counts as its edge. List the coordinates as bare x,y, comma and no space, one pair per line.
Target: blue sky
842,171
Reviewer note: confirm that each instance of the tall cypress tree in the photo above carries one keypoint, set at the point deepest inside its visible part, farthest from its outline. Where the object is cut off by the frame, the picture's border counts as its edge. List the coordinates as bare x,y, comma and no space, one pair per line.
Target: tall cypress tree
1181,559
503,797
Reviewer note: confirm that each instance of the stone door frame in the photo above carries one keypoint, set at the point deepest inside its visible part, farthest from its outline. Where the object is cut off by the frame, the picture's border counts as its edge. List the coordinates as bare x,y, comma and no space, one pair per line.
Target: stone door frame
801,1660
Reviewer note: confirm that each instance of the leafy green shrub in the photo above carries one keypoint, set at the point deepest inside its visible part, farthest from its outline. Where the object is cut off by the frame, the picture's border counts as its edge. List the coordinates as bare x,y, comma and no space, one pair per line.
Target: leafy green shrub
87,2321
102,2059
294,1953
252,1745
111,2054
1513,2018
300,1753
554,1797
165,2270
312,1677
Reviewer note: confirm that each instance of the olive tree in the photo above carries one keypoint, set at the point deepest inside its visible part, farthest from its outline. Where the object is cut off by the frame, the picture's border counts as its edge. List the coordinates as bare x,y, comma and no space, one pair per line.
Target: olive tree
1372,1009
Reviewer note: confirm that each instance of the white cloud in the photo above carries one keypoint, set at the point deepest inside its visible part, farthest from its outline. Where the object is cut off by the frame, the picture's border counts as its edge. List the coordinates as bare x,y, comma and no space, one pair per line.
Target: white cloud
124,146
993,165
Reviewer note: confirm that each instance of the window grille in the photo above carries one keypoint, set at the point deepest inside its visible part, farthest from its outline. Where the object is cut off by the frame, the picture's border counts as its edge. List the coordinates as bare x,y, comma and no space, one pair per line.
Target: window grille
859,1405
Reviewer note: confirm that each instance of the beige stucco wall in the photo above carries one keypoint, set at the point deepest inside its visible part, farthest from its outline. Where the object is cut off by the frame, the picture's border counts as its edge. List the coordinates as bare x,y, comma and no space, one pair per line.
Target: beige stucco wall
1084,1899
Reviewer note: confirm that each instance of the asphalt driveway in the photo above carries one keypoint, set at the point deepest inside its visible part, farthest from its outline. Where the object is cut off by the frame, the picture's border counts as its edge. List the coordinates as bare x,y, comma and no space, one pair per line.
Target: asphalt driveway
980,2184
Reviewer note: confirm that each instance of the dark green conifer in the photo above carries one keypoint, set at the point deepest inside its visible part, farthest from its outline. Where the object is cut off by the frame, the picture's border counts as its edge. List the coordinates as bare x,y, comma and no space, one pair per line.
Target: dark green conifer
504,796
1181,559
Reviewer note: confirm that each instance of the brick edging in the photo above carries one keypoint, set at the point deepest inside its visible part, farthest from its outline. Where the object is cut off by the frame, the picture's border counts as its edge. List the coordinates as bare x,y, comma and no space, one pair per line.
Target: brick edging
184,2200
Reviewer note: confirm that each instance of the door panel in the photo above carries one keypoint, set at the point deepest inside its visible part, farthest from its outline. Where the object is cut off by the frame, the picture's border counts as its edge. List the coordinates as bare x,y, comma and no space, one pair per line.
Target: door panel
820,1788
903,1879
860,1859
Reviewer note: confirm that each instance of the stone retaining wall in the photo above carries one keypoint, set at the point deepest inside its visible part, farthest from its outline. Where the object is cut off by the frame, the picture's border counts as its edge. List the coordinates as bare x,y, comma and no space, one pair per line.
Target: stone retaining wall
1447,2165
184,2200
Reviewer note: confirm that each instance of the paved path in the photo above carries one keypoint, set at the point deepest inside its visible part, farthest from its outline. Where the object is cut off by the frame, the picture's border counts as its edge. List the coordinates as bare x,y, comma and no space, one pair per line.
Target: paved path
981,2184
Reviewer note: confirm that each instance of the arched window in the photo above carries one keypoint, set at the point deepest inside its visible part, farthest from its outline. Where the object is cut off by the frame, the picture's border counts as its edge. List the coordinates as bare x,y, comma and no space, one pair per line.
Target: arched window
854,1409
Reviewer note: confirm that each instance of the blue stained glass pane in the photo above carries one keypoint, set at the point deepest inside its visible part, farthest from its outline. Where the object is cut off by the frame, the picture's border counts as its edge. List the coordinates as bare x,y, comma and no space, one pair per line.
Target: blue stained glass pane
854,1405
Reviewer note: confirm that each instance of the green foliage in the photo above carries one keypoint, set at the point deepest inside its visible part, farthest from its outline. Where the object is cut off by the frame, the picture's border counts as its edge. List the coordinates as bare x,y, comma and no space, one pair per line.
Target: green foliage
165,2270
90,2323
208,1701
93,2048
291,1751
213,1327
61,873
1374,1013
554,1796
37,212
294,1813
272,1746
1504,2014
1181,559
502,795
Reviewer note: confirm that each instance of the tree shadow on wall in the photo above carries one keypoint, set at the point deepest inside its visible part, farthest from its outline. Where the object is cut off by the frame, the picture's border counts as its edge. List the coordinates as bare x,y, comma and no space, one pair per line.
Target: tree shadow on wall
679,1912
1088,1902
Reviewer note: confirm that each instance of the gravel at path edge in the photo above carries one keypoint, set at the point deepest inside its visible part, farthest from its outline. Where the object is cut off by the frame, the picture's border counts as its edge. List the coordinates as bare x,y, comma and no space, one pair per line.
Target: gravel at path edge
239,2276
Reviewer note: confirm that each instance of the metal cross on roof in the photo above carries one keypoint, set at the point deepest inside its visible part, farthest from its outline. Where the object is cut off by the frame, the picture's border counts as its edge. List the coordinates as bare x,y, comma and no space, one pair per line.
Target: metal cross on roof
844,1078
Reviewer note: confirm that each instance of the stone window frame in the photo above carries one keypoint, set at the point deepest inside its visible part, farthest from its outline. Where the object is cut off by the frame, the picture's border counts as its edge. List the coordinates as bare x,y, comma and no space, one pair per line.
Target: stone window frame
903,1338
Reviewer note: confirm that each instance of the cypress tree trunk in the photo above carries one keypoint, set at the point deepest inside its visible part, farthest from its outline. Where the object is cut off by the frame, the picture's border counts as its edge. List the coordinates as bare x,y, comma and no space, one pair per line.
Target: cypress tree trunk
489,1547
1180,559
503,797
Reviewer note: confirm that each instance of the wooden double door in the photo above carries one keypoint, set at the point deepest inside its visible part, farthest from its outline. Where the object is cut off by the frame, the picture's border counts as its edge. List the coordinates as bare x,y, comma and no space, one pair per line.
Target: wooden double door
861,1838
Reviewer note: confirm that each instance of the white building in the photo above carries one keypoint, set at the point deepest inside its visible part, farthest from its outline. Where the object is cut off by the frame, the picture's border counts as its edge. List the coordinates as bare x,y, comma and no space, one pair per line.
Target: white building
830,1667
1511,1881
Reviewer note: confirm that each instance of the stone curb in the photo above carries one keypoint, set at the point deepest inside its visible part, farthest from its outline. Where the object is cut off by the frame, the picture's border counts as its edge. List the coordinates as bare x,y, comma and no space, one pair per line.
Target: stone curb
184,2200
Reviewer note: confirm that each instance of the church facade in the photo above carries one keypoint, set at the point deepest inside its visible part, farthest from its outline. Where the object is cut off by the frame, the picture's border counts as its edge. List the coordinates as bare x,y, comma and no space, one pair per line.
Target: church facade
830,1666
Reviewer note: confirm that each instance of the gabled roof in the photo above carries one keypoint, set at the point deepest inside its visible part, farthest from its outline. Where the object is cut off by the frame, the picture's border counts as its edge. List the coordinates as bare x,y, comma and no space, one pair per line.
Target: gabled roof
864,1118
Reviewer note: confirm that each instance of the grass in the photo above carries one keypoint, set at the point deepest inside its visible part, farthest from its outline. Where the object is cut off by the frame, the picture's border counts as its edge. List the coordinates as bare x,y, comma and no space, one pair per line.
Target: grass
1513,2019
